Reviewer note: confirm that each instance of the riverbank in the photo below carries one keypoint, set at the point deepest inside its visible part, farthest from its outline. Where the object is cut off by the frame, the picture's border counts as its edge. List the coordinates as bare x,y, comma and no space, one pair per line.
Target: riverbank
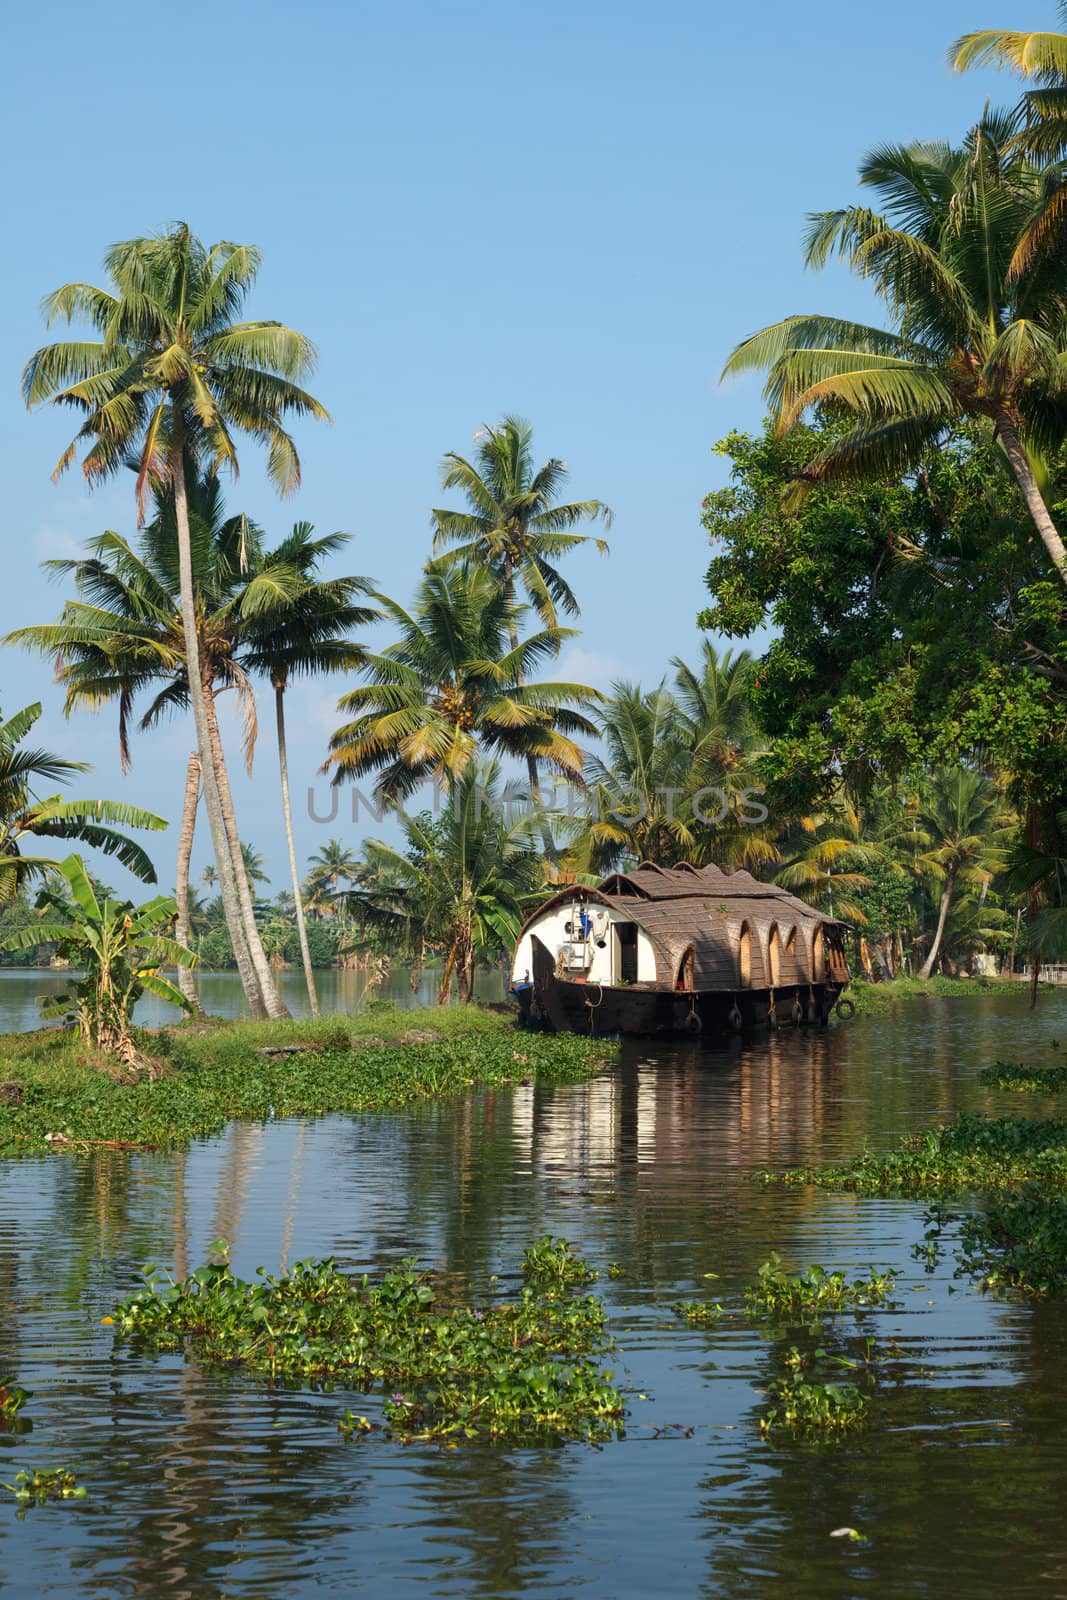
875,999
55,1097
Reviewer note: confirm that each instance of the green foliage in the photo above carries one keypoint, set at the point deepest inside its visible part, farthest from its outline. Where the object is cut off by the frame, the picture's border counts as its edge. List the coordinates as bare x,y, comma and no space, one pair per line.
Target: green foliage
913,623
121,949
551,1263
699,1312
461,885
384,1060
814,1291
12,1400
23,816
799,1404
970,1152
519,1370
514,524
1018,1243
455,686
45,1483
1035,1080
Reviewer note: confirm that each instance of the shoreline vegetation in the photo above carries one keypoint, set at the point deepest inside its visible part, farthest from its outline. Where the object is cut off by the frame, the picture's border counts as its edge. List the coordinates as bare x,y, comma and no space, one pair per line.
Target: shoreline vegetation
203,1074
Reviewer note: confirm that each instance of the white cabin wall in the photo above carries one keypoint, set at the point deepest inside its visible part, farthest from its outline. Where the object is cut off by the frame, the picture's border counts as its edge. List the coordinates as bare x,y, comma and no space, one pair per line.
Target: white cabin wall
550,929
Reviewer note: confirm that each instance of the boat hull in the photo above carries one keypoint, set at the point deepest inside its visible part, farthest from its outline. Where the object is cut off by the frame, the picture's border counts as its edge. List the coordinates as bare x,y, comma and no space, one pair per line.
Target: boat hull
564,1005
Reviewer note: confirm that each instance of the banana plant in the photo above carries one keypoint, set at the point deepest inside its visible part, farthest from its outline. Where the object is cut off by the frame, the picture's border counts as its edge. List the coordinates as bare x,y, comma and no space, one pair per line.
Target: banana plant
119,948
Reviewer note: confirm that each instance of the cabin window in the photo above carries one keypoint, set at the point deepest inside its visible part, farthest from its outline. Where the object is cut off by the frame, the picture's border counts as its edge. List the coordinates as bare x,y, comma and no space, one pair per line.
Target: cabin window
791,943
626,952
818,956
744,954
686,977
774,956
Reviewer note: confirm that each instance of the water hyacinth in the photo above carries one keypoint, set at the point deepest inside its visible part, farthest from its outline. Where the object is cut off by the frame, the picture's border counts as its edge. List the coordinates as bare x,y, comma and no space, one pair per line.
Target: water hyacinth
528,1367
971,1152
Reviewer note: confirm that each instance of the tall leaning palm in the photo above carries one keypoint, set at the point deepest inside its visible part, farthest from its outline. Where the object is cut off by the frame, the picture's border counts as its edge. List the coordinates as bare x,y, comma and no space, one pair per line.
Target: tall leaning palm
975,334
124,636
516,528
294,629
171,376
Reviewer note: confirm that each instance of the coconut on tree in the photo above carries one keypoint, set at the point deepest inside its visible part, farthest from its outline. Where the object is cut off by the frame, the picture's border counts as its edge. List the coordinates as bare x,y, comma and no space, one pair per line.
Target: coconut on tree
172,377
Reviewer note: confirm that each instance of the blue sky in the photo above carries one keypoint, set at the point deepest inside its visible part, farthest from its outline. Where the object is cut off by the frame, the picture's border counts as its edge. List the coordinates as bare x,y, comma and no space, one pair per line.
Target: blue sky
570,211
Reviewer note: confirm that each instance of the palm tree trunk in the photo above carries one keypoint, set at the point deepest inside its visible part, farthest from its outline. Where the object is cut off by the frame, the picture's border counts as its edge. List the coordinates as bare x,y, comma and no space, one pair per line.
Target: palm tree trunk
287,813
935,948
531,761
212,804
1035,502
186,982
445,986
277,1010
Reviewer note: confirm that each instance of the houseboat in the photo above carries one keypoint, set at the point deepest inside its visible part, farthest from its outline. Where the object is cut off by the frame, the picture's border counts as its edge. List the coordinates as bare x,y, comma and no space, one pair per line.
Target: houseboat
677,950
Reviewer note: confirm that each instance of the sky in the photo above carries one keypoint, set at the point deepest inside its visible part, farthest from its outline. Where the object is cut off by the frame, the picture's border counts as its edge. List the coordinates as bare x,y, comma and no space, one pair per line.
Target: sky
566,210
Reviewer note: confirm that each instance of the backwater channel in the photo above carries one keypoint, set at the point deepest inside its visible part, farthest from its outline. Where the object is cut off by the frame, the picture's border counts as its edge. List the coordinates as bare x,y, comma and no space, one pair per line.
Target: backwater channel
205,1483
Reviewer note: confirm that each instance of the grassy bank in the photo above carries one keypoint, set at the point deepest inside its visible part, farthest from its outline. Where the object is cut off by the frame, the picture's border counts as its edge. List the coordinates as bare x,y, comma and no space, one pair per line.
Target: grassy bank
55,1098
876,999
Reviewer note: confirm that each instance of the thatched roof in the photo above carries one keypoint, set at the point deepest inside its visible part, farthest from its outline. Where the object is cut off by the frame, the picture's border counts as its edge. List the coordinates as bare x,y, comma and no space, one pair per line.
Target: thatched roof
727,919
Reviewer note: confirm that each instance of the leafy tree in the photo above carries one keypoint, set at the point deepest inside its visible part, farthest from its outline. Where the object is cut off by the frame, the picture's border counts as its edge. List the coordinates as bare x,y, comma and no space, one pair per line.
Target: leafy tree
120,948
516,528
124,637
25,817
171,378
913,621
333,869
961,832
672,778
462,884
296,629
978,332
453,688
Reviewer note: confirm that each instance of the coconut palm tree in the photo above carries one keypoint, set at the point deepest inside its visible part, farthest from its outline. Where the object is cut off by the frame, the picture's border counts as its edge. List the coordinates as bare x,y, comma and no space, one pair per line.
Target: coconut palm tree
124,636
974,334
172,377
333,869
295,630
462,883
1040,58
515,527
24,816
960,831
453,687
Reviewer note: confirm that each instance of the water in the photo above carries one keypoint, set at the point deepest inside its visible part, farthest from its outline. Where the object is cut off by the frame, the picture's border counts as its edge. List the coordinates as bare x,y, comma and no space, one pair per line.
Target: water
207,1484
22,990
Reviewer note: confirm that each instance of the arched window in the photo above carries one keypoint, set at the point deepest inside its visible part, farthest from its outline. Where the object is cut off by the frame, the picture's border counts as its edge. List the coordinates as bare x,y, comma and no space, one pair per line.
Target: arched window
774,956
818,955
685,978
744,955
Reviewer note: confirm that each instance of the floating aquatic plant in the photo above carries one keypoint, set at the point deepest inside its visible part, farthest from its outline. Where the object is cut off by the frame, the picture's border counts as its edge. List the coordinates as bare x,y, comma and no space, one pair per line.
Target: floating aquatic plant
699,1312
1034,1080
799,1403
520,1368
12,1400
1018,1243
970,1152
45,1483
778,1293
553,1261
